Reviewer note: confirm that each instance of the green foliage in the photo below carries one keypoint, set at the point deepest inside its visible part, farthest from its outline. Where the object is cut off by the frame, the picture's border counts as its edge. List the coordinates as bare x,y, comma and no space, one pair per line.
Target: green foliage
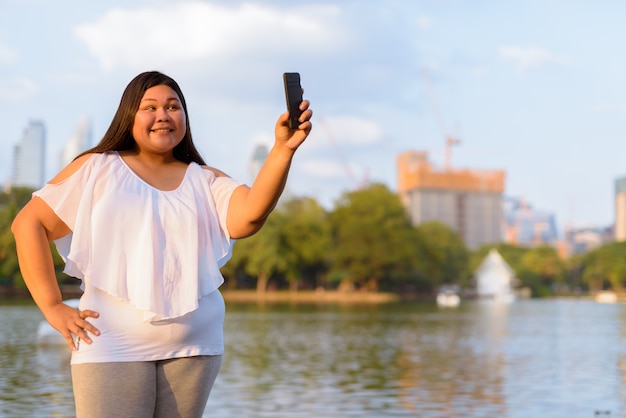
541,269
512,254
306,235
10,204
443,257
605,267
261,255
366,241
9,268
18,196
294,243
371,231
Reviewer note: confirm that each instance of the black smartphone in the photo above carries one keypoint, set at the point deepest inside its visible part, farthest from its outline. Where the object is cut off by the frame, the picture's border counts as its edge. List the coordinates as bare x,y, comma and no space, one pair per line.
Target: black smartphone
293,95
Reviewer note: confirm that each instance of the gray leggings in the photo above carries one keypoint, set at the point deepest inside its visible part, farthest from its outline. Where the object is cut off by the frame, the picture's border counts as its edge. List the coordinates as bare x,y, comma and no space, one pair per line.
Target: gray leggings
174,388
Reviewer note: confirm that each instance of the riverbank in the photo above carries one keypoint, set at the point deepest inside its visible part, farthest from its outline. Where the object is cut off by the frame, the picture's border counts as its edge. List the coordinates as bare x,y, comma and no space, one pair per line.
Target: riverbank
281,296
301,296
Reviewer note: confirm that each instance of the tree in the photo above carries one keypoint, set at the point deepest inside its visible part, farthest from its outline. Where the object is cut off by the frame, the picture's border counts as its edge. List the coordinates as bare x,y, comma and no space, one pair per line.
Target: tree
307,239
541,269
443,257
17,195
9,267
605,267
10,276
261,255
370,231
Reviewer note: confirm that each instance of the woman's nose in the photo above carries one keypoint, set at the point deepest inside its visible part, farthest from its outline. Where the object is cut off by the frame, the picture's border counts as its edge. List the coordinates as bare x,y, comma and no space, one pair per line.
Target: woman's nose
162,115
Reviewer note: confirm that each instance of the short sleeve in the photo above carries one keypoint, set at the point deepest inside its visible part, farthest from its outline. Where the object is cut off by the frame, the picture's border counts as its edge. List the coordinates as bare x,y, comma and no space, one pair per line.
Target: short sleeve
222,189
64,197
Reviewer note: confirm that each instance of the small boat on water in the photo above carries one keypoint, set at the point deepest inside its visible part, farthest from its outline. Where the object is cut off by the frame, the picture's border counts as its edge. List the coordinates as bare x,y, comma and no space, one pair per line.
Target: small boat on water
448,297
606,296
448,300
48,336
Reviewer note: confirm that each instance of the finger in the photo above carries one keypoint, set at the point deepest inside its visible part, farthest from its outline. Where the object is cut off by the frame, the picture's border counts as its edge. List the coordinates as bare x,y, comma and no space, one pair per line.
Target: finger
82,334
306,115
283,120
306,127
85,327
88,327
88,313
303,124
70,341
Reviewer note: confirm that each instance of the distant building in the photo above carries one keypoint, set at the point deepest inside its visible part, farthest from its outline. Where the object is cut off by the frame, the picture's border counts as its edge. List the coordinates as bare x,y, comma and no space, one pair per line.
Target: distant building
468,201
528,227
583,239
29,157
259,155
620,209
80,141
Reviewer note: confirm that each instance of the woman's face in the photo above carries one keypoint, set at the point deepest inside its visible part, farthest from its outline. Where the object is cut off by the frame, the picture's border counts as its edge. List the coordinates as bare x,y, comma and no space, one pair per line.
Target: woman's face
159,121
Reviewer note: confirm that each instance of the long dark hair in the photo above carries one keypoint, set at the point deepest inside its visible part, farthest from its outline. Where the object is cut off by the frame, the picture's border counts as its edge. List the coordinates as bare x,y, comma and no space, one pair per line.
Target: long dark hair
119,136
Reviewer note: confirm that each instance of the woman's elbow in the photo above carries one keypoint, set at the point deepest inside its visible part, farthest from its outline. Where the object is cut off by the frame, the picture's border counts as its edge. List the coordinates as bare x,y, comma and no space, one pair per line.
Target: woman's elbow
18,224
246,231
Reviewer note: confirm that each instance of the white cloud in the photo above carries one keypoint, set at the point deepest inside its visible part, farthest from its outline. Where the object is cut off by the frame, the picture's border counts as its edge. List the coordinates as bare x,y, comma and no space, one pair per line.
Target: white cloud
185,32
478,71
338,138
424,22
610,108
529,58
7,56
352,130
18,89
324,169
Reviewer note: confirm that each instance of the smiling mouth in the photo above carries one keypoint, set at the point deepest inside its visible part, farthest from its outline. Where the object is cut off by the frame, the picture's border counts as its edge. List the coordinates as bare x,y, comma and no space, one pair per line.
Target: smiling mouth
160,131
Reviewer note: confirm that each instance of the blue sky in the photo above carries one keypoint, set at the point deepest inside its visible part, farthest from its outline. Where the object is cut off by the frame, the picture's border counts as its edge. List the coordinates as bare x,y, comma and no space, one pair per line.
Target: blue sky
536,88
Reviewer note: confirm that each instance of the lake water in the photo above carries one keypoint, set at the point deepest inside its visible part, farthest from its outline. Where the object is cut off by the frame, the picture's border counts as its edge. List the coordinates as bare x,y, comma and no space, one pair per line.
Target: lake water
530,359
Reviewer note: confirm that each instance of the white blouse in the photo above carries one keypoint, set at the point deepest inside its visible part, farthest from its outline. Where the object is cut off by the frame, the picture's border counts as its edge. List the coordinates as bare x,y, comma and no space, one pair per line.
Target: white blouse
160,251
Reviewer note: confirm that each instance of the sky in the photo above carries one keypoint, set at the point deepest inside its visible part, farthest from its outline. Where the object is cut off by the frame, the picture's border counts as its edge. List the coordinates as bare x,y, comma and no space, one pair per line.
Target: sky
536,88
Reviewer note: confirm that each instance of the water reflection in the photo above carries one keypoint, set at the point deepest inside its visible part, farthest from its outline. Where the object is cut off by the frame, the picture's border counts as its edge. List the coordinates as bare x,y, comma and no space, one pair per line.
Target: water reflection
35,382
557,359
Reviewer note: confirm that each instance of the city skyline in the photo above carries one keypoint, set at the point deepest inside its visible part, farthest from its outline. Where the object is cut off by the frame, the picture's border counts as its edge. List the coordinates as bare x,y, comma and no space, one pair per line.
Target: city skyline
28,167
539,97
81,140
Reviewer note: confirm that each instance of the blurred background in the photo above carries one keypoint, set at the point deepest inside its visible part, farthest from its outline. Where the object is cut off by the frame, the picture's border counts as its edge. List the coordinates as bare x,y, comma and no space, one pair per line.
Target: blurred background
532,88
460,149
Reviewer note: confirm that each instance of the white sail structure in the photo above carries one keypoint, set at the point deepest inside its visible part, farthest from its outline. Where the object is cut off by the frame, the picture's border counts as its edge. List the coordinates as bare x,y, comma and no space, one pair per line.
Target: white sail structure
495,278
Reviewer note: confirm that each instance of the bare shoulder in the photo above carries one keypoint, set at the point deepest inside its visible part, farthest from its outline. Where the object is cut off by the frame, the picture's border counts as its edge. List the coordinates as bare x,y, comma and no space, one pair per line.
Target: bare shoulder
218,173
71,168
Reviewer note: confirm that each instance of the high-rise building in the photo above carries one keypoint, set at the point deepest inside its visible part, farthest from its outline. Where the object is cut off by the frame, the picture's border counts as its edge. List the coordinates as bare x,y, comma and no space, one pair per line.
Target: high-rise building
527,226
468,201
29,157
583,239
80,141
620,209
259,155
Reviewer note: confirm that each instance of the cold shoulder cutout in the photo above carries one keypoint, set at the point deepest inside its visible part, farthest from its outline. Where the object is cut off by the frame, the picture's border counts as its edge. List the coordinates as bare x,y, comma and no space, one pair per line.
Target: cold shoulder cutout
159,250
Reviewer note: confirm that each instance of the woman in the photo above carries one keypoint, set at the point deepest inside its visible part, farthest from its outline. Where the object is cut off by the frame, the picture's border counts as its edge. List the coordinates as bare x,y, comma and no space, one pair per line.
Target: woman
146,225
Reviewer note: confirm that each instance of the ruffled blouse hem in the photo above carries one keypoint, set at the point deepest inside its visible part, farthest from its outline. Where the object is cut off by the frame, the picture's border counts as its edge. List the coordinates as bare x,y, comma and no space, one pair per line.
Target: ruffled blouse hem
167,247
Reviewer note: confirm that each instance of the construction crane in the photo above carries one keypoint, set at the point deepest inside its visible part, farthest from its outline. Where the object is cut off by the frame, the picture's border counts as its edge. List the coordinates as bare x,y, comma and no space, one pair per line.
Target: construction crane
362,183
450,140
